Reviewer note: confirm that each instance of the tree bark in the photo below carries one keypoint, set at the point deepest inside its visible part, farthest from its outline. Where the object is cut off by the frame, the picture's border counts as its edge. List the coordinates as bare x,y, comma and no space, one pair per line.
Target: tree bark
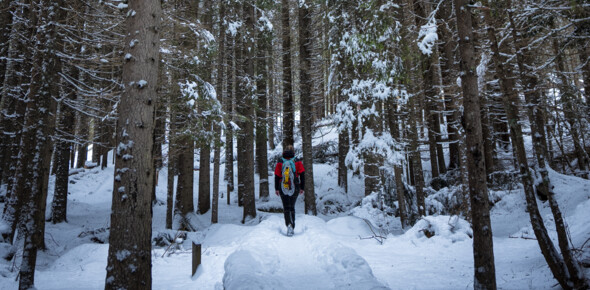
221,95
228,102
204,202
216,165
170,186
306,99
185,183
15,86
36,145
129,258
263,43
288,100
7,9
246,49
483,249
83,137
449,77
62,165
343,147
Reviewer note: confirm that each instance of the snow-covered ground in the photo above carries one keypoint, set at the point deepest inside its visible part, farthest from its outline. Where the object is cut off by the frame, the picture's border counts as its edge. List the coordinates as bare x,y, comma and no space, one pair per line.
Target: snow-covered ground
327,252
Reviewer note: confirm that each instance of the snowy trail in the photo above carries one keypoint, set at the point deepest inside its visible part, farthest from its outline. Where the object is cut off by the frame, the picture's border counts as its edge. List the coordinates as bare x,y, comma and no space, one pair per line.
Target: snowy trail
311,259
293,265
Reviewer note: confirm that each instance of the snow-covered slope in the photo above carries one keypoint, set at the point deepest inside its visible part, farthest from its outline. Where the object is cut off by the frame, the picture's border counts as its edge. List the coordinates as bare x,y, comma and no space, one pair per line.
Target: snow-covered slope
327,252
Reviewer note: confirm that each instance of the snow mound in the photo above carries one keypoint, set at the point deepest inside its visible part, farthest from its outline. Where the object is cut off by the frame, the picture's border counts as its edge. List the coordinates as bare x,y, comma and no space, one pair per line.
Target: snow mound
85,255
347,269
446,227
349,226
246,270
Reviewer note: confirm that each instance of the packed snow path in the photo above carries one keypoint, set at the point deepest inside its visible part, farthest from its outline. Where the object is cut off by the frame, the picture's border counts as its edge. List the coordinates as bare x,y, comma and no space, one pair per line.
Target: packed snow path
311,259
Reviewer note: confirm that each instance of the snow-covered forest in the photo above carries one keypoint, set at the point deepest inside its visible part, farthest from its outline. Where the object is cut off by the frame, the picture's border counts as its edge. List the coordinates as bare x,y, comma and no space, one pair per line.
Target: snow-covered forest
444,144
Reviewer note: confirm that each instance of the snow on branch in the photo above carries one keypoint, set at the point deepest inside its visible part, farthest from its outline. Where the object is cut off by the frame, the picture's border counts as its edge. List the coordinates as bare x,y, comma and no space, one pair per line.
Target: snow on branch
427,36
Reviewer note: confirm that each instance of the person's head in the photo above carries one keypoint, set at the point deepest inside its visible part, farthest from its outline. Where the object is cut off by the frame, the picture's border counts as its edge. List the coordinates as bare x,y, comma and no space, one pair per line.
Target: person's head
288,152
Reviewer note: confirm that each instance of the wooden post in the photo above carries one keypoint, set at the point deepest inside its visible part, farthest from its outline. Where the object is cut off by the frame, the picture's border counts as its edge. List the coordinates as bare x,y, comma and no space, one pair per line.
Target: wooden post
196,257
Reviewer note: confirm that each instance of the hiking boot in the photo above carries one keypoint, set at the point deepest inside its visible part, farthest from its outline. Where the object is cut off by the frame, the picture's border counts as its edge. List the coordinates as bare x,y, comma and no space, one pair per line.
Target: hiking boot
290,231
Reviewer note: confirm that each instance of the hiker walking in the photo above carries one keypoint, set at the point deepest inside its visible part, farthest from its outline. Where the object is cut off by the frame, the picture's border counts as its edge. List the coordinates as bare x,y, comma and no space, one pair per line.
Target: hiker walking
289,183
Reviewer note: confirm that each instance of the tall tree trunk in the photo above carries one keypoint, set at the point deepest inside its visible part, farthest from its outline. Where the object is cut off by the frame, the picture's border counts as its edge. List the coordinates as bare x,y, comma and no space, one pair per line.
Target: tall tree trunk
206,68
398,167
410,83
185,184
96,140
416,163
36,144
15,85
449,77
129,259
204,202
263,43
221,95
216,164
245,108
430,85
483,249
7,9
63,147
172,165
170,186
229,141
288,100
306,99
343,135
83,138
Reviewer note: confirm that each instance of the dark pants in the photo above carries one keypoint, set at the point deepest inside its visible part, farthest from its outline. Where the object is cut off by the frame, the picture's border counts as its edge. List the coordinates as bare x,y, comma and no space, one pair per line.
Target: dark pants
289,208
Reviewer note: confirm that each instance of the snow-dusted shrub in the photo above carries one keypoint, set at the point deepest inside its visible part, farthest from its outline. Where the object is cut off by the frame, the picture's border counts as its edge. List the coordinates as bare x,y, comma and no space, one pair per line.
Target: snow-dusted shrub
442,226
325,152
168,237
439,182
333,203
99,236
504,180
374,210
447,200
